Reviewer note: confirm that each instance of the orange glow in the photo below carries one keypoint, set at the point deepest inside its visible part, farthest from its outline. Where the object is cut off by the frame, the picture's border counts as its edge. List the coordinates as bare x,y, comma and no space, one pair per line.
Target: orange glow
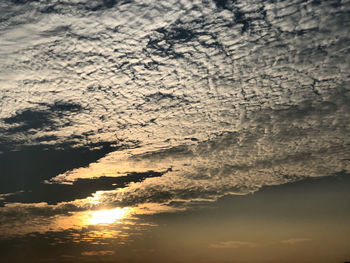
107,216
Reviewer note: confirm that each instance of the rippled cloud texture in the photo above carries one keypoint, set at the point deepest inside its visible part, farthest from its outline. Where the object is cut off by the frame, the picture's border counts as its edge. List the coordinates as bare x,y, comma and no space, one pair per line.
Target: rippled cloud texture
199,98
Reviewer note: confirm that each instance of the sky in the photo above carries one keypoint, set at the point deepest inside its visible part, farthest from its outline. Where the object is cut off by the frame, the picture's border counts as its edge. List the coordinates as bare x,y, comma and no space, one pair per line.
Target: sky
177,131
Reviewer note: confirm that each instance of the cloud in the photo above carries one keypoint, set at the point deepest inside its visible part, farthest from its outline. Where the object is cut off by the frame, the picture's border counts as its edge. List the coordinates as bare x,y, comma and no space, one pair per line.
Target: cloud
25,167
231,96
234,244
269,149
79,189
149,73
293,241
98,253
20,219
37,118
4,196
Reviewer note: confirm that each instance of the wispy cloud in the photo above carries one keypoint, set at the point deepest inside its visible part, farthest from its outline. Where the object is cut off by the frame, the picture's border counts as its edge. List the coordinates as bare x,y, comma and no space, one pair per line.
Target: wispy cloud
98,253
293,241
4,196
234,244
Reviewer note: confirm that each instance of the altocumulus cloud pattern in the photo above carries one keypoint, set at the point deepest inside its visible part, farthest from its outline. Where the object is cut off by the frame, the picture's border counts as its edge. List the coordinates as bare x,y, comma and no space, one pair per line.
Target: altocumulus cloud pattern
215,97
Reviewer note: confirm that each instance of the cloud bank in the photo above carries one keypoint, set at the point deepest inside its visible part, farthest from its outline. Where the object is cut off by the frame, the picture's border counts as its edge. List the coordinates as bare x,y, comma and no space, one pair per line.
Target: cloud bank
221,97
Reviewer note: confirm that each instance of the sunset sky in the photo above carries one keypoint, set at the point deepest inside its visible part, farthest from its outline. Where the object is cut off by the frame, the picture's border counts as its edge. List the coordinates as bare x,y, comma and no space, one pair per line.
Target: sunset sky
185,131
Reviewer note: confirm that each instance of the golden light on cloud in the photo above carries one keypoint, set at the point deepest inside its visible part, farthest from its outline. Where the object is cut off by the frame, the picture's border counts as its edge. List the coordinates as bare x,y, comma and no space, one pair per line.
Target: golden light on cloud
107,216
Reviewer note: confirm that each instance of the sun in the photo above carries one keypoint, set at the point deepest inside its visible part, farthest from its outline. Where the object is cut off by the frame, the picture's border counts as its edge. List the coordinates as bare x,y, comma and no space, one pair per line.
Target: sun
107,216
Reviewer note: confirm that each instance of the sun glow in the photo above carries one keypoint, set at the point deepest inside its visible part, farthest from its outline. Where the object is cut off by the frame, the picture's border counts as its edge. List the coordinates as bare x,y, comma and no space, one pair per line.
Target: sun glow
107,216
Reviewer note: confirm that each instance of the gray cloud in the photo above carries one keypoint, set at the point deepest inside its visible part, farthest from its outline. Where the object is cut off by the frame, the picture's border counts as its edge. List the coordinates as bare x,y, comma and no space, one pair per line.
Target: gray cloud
166,71
271,148
232,95
78,189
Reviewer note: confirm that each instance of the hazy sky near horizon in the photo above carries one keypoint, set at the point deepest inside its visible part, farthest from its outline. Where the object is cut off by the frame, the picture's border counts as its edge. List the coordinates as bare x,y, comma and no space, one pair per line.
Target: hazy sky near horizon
306,221
116,115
